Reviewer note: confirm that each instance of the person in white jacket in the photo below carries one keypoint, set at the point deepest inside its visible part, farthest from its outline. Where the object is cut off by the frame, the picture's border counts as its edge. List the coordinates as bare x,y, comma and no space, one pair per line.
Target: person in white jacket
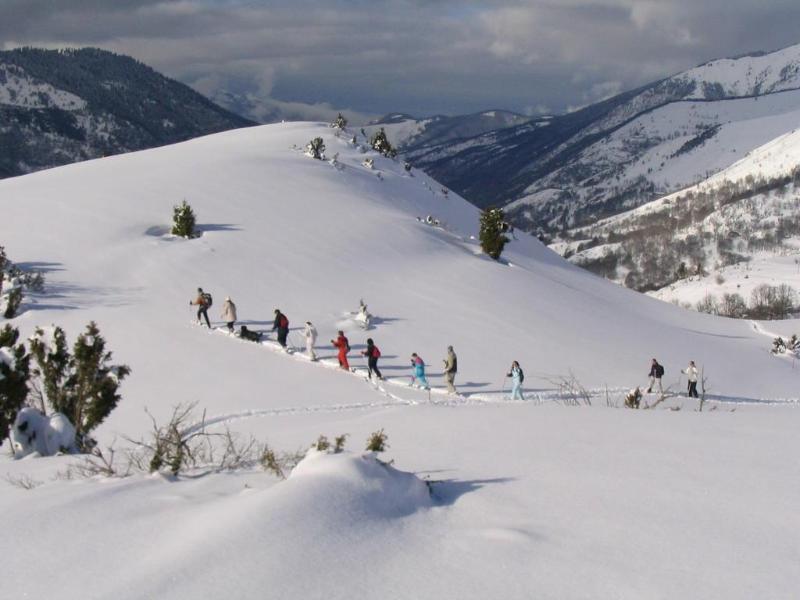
229,313
311,339
691,374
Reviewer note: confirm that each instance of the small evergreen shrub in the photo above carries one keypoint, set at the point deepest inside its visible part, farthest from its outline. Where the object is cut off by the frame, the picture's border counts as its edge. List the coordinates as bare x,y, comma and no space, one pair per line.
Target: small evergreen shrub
322,444
376,442
339,122
491,232
339,442
316,148
183,220
380,143
13,300
83,385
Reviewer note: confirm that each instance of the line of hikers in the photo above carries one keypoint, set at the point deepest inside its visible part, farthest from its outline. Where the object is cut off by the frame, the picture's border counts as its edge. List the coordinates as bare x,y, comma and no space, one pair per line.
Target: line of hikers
204,301
372,353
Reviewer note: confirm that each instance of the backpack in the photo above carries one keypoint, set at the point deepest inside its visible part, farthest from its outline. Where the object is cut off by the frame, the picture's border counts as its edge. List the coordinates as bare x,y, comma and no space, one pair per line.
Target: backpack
521,375
284,322
207,299
659,371
347,344
375,352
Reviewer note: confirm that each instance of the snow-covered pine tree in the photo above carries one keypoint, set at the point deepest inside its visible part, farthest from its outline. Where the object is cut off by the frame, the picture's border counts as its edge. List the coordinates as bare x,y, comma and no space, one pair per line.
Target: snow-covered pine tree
380,143
491,232
51,367
339,122
183,220
316,148
14,375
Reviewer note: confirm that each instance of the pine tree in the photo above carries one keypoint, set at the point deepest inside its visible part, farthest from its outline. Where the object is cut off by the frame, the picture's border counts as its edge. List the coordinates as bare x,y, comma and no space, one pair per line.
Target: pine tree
316,148
51,358
339,122
13,300
183,220
14,375
491,233
381,143
92,388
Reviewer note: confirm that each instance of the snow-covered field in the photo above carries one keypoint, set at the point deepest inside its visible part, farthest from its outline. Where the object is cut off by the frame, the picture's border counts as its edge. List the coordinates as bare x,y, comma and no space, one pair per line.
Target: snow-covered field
529,499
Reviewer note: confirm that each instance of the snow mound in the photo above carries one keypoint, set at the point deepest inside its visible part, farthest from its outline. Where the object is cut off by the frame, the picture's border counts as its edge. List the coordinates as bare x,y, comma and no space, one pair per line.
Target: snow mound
361,484
34,432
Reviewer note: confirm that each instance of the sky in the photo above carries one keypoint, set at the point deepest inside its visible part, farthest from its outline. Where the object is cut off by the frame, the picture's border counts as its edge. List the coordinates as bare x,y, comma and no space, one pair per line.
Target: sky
422,57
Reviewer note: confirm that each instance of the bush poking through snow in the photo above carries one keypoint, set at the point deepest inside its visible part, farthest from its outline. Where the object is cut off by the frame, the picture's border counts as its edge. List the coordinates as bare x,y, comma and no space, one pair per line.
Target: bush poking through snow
339,442
376,442
322,444
491,232
316,148
183,220
82,385
339,122
13,300
380,143
14,376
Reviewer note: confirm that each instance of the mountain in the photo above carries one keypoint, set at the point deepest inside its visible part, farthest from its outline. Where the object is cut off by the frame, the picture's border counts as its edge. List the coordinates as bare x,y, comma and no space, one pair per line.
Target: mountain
620,153
63,106
734,231
408,133
484,497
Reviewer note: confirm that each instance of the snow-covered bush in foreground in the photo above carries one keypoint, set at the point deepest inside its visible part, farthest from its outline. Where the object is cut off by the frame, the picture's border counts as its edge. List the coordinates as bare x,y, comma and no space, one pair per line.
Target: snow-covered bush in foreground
14,375
33,431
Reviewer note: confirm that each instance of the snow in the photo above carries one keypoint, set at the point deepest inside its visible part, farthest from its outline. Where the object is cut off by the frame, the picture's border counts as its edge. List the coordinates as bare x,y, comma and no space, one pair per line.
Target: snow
528,498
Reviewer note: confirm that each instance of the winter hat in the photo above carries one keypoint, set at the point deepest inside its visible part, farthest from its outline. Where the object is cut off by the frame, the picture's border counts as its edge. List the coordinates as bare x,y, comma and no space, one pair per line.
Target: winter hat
277,310
370,342
227,298
450,348
200,290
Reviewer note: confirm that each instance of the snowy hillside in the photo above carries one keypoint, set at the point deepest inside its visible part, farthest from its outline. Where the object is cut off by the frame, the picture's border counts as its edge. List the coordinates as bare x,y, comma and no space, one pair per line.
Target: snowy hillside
749,211
533,498
408,133
59,107
625,151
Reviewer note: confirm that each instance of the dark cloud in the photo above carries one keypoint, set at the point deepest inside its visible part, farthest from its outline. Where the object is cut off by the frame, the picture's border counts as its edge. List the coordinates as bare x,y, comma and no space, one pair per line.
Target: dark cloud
418,56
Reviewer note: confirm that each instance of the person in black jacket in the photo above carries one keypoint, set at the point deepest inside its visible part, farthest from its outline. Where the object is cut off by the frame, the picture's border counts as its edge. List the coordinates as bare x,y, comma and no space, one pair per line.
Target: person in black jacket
656,373
281,324
373,354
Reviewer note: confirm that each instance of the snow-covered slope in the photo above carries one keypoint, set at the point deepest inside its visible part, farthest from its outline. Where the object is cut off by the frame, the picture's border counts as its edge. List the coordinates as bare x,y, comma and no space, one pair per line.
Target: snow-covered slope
748,211
532,498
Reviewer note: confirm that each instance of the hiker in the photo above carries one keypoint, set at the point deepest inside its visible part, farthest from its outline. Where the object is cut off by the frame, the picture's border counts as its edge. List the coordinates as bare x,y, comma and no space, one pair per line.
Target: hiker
281,323
343,345
229,313
419,371
450,370
633,398
373,354
311,339
517,377
691,374
656,373
203,303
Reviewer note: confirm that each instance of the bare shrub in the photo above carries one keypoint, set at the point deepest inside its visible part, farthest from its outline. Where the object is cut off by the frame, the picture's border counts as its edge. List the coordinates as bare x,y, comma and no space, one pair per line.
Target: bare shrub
23,482
570,391
376,442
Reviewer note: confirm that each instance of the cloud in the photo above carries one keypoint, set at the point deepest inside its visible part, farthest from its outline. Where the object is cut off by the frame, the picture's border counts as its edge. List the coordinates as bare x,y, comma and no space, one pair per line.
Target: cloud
416,56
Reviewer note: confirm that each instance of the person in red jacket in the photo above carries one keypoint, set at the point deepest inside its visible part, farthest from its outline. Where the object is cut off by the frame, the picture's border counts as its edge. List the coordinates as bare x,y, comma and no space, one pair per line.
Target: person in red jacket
344,347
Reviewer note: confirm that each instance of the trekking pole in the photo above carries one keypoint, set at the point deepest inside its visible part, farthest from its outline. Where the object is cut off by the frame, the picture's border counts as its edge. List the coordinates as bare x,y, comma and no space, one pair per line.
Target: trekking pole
503,387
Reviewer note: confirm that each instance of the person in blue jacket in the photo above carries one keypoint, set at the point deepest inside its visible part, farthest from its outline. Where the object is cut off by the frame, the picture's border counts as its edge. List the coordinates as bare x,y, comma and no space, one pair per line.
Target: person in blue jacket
419,371
517,377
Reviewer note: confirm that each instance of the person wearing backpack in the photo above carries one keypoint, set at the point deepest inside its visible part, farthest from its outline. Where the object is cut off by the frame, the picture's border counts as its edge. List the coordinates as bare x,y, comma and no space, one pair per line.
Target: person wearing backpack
229,313
373,354
691,375
343,345
311,339
281,324
450,370
203,303
656,373
419,372
517,377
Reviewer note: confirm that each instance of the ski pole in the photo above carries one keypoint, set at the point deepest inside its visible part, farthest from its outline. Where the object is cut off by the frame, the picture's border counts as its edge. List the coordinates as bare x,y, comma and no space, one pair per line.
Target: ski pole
503,387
